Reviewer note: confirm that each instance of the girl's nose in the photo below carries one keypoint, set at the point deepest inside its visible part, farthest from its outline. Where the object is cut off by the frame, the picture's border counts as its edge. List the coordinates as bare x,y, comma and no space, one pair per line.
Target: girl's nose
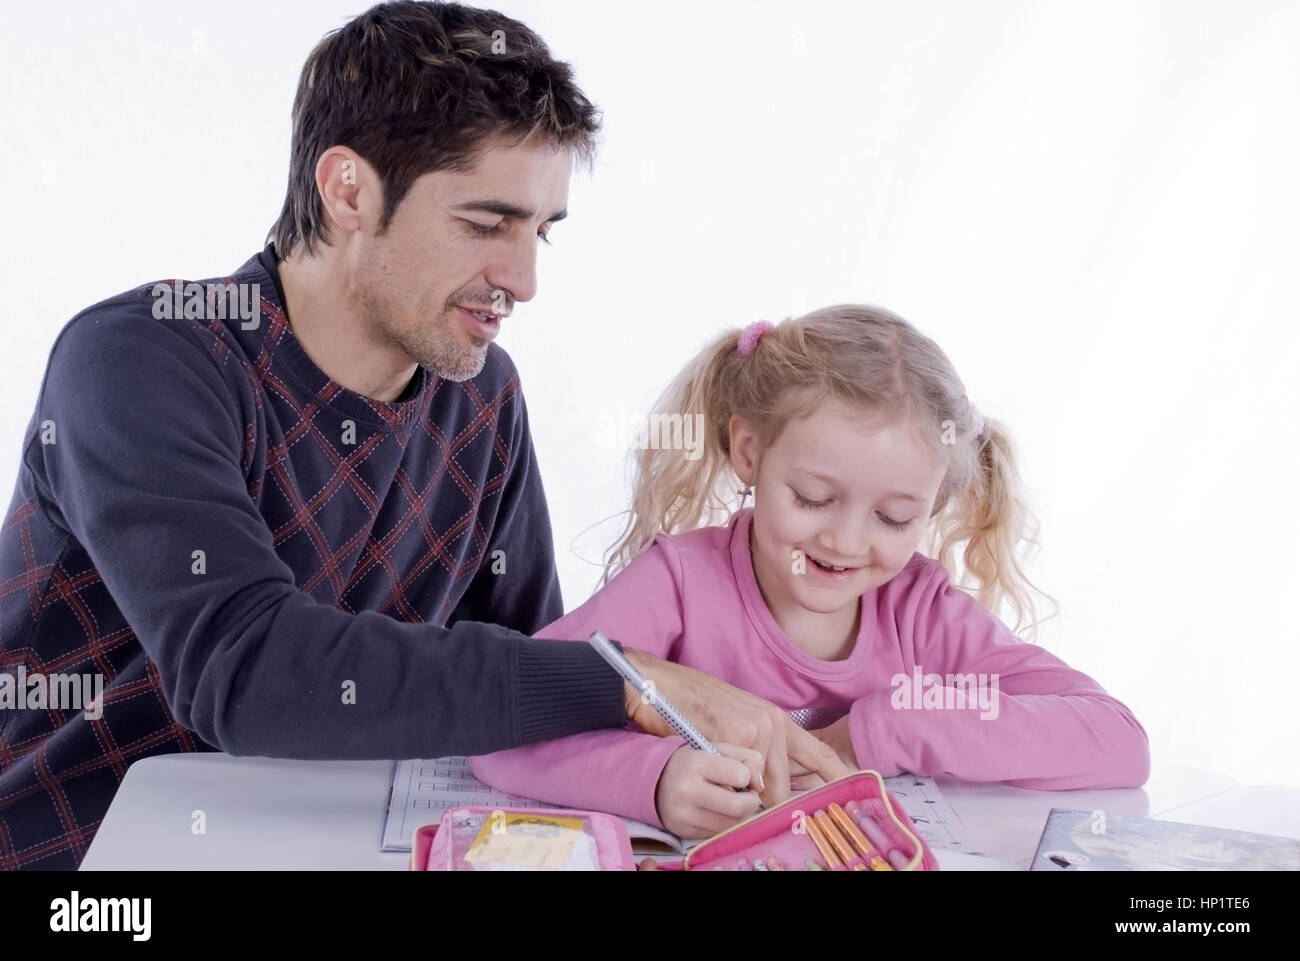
849,537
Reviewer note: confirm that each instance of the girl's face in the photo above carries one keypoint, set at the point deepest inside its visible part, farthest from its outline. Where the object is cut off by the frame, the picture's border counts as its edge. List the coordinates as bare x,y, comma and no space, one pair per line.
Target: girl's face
841,502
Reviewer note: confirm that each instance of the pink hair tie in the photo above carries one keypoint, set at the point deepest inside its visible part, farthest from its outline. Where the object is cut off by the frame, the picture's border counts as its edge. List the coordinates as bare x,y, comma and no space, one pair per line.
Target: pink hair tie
751,335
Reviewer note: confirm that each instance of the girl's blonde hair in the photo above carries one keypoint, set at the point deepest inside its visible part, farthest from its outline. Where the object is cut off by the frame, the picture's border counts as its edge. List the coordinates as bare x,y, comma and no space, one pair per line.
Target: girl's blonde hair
878,362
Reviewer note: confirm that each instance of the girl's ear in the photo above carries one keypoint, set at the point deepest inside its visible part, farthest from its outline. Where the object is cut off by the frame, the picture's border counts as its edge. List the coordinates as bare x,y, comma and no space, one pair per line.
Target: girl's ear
744,449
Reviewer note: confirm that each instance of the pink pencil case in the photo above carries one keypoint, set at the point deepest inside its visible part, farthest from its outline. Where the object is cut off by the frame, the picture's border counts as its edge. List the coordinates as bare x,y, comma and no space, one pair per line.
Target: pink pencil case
522,839
783,833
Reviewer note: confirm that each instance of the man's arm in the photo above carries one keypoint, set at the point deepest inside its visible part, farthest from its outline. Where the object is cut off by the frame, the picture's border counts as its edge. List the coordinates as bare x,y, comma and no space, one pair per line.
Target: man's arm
616,771
145,473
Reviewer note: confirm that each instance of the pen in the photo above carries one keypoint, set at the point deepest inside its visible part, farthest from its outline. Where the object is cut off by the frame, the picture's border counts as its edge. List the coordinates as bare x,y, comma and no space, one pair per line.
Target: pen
877,837
685,728
857,838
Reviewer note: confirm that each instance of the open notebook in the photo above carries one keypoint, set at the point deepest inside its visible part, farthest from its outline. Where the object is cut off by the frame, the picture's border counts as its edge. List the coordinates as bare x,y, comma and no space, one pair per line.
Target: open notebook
422,789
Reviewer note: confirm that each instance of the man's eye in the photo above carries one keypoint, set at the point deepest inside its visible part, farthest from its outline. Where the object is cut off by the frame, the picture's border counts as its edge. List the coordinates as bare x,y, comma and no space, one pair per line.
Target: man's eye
485,231
482,230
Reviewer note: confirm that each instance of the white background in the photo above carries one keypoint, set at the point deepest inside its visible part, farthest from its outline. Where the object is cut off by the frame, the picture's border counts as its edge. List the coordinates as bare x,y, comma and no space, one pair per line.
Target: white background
1092,207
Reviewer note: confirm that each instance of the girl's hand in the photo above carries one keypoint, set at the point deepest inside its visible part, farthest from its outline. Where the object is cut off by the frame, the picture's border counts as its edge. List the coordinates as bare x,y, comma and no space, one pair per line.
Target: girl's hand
725,714
695,796
805,782
837,736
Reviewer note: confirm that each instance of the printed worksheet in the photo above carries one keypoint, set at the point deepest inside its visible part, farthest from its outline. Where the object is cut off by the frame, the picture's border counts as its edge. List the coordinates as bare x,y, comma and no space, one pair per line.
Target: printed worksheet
422,789
935,820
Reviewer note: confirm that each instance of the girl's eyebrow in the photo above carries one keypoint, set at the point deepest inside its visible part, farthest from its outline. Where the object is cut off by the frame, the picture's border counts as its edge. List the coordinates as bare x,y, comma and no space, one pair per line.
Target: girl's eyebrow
901,496
818,475
892,495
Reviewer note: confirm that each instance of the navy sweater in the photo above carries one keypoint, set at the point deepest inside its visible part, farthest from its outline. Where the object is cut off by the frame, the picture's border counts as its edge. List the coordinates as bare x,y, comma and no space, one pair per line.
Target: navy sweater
259,561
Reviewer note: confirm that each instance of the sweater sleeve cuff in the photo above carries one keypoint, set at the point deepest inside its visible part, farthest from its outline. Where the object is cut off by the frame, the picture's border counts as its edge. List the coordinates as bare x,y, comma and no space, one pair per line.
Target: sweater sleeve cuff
564,689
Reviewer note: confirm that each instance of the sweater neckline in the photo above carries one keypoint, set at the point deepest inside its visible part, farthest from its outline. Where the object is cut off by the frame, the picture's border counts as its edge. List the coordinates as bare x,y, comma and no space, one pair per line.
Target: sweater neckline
770,631
320,389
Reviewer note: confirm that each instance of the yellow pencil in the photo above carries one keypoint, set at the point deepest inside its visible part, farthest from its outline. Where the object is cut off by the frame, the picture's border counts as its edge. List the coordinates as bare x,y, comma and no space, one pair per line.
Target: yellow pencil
842,847
815,832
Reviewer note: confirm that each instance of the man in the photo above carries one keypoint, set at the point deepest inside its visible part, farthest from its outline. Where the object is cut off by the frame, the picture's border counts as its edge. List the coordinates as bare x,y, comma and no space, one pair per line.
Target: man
296,511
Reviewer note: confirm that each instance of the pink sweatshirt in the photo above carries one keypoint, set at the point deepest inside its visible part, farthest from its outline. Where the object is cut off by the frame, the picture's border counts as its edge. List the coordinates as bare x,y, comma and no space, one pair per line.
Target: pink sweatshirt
693,598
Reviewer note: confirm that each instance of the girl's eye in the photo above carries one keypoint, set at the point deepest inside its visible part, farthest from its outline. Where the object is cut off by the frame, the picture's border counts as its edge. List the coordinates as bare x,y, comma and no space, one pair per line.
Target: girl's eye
896,525
805,502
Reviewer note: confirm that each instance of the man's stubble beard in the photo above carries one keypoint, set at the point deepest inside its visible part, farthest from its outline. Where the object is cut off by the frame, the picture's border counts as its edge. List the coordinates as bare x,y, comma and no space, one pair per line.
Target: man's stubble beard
435,345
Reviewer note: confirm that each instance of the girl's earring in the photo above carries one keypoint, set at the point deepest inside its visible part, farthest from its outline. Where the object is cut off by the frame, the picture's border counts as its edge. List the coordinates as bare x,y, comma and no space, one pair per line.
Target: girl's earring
744,493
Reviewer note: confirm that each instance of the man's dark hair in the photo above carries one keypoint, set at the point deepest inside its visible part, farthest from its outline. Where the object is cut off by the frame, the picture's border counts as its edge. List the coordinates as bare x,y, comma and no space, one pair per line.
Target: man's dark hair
414,87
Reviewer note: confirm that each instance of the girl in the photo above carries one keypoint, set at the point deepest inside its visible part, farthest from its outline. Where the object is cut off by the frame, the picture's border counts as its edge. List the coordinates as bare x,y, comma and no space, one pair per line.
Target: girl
856,438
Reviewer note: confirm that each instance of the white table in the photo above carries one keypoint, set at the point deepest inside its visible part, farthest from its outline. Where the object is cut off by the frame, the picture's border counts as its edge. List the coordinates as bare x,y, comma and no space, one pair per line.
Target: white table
1005,823
262,813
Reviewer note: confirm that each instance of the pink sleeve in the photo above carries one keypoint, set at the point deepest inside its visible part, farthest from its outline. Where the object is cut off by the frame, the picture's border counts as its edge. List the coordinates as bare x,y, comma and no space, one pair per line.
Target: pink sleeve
1036,722
613,770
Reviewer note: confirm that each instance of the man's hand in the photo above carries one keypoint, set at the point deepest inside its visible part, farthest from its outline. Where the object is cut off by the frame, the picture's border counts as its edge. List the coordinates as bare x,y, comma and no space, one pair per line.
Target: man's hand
726,714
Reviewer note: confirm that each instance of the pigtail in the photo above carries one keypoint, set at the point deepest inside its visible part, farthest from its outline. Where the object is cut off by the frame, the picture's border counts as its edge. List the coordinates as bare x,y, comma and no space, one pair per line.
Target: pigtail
672,492
990,524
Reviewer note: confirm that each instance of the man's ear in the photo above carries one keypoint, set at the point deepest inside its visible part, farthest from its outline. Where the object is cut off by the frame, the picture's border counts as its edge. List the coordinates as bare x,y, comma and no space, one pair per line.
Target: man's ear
744,449
348,189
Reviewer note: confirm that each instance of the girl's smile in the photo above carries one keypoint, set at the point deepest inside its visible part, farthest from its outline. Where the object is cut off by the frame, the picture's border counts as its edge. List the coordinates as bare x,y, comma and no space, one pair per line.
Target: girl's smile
840,503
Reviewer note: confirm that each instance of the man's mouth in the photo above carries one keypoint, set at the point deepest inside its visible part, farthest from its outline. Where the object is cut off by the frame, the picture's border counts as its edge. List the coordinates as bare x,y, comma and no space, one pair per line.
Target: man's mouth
482,322
485,314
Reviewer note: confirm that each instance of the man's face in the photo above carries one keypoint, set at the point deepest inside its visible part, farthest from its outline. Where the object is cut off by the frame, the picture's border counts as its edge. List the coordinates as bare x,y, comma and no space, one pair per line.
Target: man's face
460,251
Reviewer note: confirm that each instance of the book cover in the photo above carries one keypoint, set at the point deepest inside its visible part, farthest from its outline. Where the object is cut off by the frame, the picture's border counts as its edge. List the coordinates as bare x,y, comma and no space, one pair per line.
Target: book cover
1095,841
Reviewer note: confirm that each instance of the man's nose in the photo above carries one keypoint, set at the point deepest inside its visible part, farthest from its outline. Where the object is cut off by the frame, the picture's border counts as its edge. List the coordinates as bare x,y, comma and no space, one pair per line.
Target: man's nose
515,269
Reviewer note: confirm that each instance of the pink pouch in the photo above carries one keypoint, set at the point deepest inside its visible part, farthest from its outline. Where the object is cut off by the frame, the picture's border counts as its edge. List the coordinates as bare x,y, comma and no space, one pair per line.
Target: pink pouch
522,839
784,833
